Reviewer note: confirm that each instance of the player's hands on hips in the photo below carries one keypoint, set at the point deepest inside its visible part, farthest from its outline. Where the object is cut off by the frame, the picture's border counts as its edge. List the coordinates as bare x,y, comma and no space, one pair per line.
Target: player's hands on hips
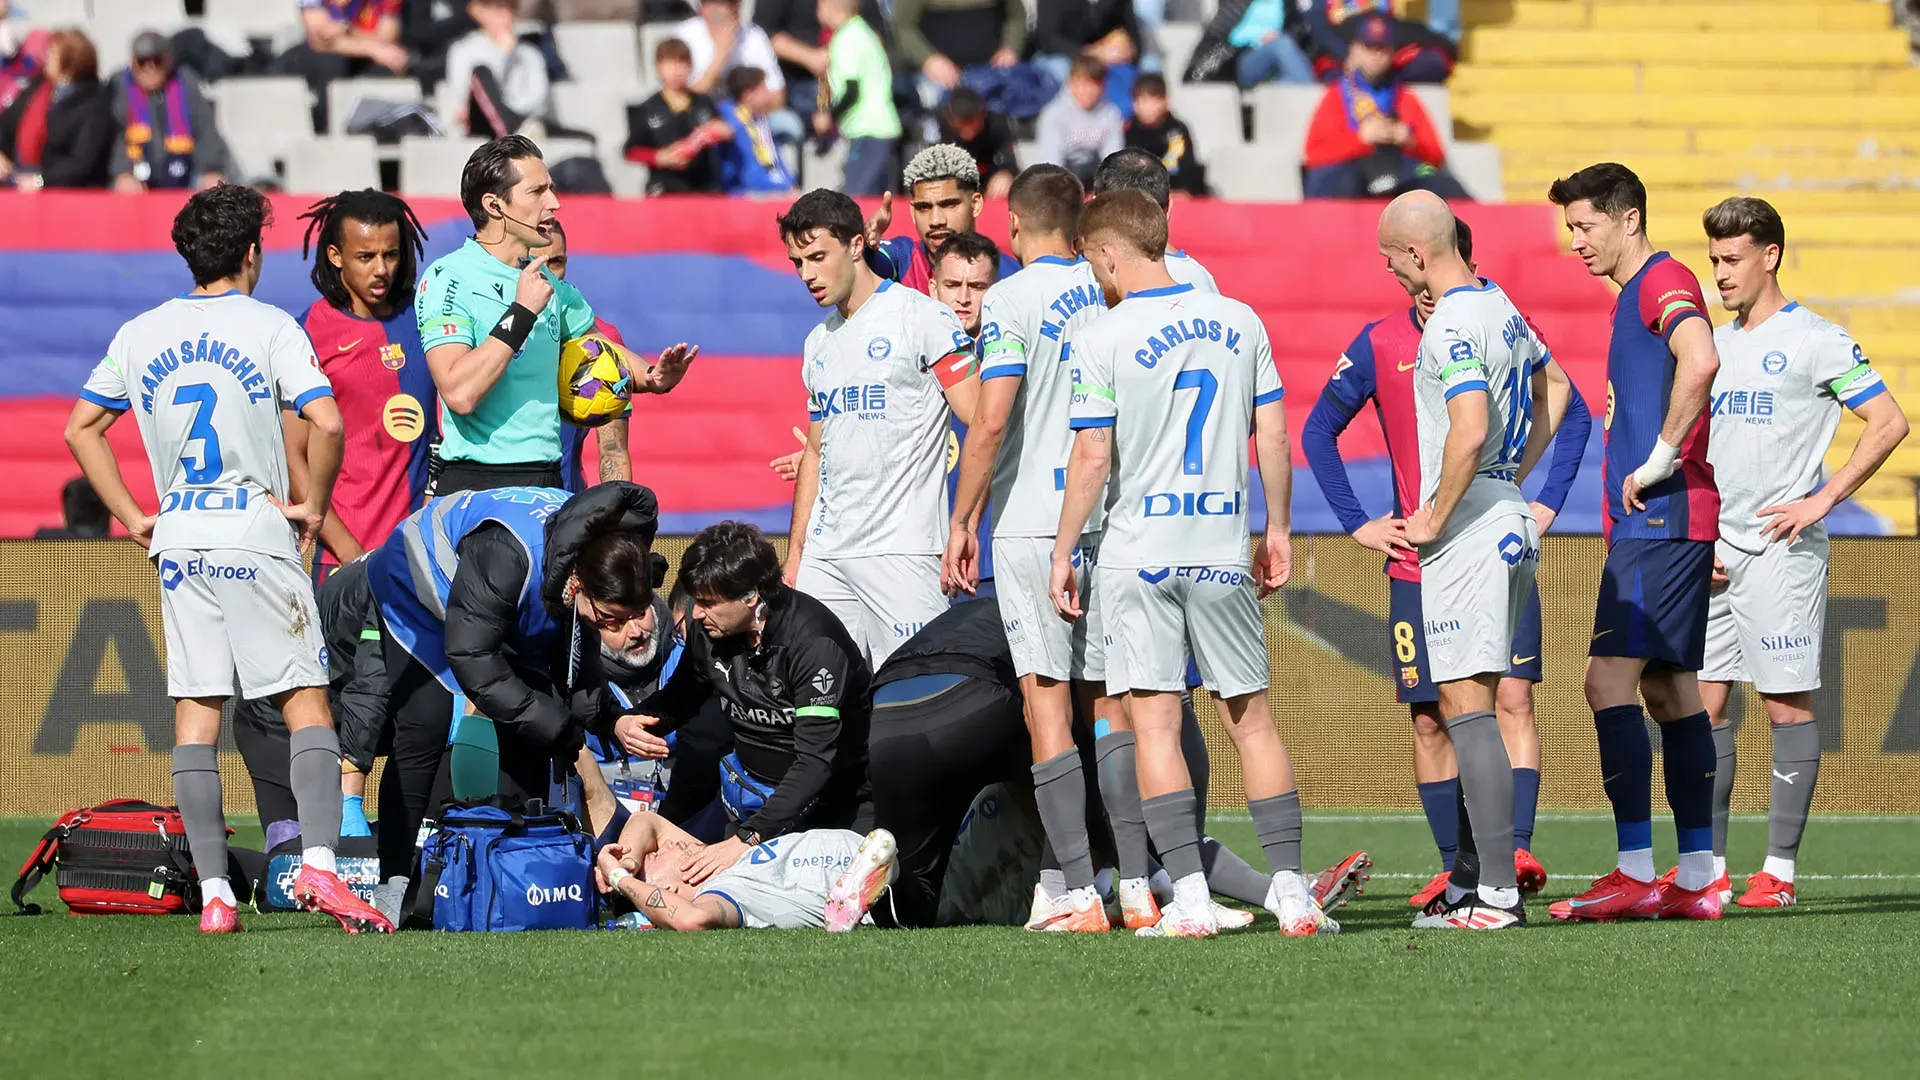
305,518
1785,521
1386,535
535,288
960,562
1064,586
1543,515
880,220
714,858
1273,563
1422,528
636,737
141,529
787,466
668,370
1718,579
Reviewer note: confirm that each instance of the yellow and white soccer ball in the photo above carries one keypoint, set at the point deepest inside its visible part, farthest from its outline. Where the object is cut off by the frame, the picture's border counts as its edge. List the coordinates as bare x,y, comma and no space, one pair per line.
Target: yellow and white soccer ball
596,379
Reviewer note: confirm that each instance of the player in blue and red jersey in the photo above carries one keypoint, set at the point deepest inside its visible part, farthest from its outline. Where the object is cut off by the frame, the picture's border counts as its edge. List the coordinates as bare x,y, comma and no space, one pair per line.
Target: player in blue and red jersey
1650,622
943,191
367,246
1378,367
615,464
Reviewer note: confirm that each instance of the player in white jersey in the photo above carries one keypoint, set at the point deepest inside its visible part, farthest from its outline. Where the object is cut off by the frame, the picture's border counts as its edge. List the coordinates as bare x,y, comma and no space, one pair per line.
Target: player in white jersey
1141,171
1169,385
206,376
1020,439
823,879
1479,374
1785,374
870,500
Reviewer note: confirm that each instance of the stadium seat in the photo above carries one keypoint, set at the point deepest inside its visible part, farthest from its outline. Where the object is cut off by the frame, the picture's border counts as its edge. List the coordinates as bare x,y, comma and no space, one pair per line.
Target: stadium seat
52,14
828,170
251,19
324,165
1258,173
627,178
1026,152
1282,112
595,108
1177,42
262,118
1211,110
1188,11
113,38
1477,166
603,54
153,13
1439,106
432,166
342,93
651,35
556,150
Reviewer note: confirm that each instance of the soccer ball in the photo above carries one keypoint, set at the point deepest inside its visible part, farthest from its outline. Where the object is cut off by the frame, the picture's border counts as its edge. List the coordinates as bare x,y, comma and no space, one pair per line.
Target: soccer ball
596,376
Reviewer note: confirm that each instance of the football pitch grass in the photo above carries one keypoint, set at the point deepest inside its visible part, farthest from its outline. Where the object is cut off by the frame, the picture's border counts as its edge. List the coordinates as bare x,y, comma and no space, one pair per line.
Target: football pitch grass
1829,988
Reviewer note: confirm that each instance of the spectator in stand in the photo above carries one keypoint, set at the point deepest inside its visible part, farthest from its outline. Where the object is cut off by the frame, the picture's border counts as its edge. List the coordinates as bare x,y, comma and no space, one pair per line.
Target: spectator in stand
1064,29
1443,18
345,39
1156,130
1419,54
721,44
1269,51
506,78
1370,137
674,132
941,39
428,28
1080,128
799,39
860,85
966,122
21,56
167,135
83,515
59,132
750,162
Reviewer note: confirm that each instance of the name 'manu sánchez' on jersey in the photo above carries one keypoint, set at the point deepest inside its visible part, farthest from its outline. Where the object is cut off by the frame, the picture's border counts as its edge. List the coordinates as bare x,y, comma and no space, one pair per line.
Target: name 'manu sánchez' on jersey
206,350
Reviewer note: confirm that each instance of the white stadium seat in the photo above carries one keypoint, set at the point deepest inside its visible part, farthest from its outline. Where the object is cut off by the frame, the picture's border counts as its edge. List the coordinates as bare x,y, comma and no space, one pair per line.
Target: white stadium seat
627,178
603,54
262,118
1477,166
153,13
322,166
432,166
1439,108
1257,173
1177,42
595,109
342,93
52,14
1211,110
1282,113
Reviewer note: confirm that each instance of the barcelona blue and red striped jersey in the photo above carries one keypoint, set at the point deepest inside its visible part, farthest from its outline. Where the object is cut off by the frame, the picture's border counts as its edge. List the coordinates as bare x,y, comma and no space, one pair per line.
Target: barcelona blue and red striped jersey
905,259
362,15
388,403
1685,506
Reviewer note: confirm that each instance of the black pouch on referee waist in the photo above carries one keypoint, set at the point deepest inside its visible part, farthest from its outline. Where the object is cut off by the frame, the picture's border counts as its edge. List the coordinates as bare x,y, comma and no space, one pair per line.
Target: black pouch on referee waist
124,857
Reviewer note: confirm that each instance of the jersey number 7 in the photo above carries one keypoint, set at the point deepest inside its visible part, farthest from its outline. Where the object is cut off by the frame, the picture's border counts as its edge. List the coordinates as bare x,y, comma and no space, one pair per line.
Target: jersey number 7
210,465
1202,380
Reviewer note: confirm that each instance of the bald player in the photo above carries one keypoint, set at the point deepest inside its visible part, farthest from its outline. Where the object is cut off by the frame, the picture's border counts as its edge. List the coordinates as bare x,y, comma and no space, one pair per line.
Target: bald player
1134,169
1479,376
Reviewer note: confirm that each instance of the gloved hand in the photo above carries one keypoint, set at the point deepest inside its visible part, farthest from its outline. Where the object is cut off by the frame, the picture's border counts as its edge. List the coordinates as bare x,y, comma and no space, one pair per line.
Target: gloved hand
353,817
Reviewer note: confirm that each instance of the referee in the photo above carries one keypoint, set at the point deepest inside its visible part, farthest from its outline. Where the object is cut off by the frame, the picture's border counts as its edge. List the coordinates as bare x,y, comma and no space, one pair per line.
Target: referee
492,318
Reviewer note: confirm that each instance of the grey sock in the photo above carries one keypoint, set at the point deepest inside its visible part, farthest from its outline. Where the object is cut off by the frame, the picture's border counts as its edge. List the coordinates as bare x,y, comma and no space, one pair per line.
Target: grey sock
1276,822
1120,791
1486,782
1193,747
1723,753
1796,756
1060,791
196,789
314,775
1173,820
1229,875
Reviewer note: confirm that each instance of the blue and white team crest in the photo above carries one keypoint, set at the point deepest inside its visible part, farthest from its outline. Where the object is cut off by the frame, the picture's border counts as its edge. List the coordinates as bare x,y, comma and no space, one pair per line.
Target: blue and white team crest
1775,362
879,349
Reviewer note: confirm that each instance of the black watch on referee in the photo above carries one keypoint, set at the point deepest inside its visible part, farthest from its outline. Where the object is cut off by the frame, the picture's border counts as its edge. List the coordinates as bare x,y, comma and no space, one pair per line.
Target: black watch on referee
747,835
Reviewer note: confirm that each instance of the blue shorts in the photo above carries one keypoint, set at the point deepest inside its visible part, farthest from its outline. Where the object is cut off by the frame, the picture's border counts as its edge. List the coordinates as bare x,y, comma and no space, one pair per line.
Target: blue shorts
1408,645
1653,602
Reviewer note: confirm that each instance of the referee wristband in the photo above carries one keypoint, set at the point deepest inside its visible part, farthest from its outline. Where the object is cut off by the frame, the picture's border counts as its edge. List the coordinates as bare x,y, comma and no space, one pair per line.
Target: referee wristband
514,326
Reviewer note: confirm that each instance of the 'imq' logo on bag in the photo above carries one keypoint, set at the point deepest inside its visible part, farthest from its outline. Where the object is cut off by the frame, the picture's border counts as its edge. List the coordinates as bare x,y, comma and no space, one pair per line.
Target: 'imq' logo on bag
537,895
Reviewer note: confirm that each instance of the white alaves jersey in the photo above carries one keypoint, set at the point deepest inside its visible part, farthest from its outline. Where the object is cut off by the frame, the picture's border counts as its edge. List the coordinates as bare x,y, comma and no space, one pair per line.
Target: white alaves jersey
1025,323
1176,373
884,419
1476,340
1776,404
206,378
1187,270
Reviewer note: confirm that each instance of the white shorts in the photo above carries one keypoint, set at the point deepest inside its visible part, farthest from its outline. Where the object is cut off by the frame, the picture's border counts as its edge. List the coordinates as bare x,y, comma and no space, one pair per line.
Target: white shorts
1156,619
882,600
783,883
1766,626
226,611
1041,641
996,857
1474,589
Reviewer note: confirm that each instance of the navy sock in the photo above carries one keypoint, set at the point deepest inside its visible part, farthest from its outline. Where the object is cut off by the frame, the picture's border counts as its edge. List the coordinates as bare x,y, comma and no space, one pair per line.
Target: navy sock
1526,800
1626,771
1439,798
1690,759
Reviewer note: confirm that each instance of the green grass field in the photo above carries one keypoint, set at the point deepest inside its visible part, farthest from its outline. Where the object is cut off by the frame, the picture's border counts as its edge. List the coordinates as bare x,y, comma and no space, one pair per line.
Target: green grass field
1829,988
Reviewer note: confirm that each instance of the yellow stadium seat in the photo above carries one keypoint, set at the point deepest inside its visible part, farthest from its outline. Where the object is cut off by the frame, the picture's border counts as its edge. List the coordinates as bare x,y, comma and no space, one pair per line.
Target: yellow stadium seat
1739,48
1544,106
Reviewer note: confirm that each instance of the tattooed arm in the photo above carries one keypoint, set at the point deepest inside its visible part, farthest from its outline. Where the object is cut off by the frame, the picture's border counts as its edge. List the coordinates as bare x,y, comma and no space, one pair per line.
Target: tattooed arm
620,867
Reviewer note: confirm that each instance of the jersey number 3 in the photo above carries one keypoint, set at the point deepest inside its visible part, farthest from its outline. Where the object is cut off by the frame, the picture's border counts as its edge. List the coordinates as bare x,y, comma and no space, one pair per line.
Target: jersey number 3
1202,380
209,466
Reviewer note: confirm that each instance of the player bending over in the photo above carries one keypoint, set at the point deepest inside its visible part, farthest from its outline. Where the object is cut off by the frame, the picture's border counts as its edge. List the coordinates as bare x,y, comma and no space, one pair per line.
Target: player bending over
1784,375
1477,381
1168,387
880,373
206,376
817,879
1650,620
1378,367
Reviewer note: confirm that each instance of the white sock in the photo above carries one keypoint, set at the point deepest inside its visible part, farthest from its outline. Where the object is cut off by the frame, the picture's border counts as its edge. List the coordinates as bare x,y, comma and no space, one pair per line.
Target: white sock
1637,864
1136,886
1720,868
1454,893
1778,867
320,858
218,888
1696,870
1190,892
1053,882
1502,898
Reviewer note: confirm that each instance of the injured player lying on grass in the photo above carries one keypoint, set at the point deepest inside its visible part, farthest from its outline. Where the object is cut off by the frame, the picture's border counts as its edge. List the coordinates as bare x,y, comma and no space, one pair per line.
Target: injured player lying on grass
818,878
